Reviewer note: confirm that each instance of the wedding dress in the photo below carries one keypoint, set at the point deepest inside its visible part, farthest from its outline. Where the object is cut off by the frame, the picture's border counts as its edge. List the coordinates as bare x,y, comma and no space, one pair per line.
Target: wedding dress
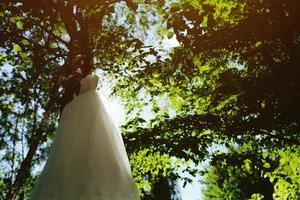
87,160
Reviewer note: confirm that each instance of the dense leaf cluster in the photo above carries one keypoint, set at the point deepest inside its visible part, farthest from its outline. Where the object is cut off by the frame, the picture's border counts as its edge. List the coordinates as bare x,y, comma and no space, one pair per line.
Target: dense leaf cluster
233,80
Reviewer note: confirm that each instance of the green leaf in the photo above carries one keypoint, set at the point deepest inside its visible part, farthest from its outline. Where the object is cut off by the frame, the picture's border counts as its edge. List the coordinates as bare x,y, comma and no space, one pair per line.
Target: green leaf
25,42
19,24
23,56
17,48
170,34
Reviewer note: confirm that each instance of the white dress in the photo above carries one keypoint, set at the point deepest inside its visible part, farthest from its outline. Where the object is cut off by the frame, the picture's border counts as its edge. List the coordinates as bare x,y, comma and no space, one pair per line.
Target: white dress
87,160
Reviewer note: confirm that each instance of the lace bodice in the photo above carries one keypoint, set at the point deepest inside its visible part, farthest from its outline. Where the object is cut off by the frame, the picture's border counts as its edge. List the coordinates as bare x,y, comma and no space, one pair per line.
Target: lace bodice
90,82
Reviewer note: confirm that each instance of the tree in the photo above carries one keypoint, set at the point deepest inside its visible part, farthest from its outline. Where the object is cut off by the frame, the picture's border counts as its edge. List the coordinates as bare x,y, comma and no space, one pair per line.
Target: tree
240,173
227,81
286,176
252,172
162,189
233,79
42,46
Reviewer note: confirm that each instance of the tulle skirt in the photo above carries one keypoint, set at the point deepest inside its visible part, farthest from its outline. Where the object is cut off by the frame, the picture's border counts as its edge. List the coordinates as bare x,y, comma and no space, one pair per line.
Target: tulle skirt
87,160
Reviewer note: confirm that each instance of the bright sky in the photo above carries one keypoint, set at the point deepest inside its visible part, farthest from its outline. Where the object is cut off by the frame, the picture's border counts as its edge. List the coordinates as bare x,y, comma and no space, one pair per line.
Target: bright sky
191,191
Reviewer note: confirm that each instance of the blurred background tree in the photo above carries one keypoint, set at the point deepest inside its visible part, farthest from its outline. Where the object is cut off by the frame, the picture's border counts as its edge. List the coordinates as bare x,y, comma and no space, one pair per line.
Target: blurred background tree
232,81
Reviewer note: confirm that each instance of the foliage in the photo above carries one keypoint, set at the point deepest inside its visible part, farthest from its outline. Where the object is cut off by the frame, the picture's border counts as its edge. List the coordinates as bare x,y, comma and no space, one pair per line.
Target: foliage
42,44
286,177
250,172
149,163
239,173
226,82
233,79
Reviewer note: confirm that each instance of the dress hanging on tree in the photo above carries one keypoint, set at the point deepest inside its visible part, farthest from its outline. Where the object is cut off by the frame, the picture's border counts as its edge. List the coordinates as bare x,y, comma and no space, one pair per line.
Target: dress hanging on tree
87,160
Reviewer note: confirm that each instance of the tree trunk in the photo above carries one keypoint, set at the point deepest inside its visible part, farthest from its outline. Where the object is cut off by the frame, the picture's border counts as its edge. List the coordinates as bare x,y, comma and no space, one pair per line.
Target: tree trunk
80,56
24,170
